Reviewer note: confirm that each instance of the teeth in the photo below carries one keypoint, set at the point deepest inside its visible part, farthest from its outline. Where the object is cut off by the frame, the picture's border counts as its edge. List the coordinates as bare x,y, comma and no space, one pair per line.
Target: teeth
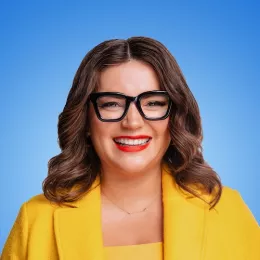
125,141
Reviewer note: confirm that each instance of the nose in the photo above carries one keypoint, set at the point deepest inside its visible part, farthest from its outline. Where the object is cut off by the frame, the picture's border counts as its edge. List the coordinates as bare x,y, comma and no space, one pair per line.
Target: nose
133,119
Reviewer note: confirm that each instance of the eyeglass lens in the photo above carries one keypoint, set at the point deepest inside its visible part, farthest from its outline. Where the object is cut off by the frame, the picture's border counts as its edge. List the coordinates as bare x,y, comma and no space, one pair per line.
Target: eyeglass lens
153,106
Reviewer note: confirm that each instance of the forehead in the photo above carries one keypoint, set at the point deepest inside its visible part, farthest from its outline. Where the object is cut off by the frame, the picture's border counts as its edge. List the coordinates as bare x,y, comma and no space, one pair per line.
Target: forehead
130,78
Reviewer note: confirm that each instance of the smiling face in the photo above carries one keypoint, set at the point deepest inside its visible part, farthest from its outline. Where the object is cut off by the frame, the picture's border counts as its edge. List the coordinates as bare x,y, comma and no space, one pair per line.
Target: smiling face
131,79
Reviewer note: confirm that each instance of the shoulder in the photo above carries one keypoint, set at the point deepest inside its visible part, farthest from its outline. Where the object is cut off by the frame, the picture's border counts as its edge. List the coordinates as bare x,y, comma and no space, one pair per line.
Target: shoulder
228,195
38,199
232,203
37,207
40,202
232,213
231,229
232,223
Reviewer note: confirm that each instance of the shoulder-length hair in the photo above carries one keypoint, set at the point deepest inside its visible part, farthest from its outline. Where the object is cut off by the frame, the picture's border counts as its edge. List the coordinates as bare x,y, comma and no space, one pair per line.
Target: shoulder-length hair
78,164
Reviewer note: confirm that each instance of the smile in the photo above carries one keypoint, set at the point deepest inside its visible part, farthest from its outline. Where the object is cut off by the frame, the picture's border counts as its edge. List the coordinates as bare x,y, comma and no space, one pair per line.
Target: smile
133,143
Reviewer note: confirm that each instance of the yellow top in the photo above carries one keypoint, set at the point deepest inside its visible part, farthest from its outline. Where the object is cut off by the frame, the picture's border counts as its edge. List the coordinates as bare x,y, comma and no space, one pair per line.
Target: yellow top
73,231
151,251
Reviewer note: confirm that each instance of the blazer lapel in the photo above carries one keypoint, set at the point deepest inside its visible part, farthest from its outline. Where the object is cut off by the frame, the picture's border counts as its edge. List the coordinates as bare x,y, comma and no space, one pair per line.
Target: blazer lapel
184,222
78,230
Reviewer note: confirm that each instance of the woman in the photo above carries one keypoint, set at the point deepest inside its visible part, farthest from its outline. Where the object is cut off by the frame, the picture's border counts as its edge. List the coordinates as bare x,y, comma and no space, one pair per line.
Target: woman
130,181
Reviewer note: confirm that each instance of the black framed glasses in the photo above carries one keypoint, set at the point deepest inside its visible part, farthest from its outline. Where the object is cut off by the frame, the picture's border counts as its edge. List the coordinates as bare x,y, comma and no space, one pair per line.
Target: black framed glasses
113,106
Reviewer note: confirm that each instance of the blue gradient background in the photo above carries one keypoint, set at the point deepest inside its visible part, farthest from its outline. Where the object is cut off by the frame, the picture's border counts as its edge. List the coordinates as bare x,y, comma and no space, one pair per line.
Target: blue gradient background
216,43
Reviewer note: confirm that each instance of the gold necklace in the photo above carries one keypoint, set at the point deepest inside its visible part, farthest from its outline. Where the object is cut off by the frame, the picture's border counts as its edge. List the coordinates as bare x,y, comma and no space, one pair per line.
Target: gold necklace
135,212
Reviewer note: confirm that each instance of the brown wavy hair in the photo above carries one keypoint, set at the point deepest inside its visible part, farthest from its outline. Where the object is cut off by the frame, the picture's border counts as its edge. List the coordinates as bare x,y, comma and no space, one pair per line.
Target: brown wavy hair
78,164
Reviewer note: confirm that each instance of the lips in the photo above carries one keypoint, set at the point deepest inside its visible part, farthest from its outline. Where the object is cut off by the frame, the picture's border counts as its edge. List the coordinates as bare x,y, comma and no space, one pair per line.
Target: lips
133,136
132,143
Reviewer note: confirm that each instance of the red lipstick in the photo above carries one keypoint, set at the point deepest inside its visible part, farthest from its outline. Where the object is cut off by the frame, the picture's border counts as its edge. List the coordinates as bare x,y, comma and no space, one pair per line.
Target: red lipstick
133,148
133,136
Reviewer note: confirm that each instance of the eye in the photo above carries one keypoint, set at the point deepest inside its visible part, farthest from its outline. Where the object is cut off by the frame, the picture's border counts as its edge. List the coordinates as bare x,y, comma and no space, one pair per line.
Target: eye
156,103
109,104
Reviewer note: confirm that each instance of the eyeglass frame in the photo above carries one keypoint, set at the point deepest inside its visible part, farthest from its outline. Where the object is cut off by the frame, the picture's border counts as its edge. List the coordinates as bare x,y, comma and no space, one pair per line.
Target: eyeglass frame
129,99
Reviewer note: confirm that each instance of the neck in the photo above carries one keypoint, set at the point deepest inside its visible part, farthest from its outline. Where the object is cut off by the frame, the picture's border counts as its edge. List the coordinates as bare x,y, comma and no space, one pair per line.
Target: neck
133,188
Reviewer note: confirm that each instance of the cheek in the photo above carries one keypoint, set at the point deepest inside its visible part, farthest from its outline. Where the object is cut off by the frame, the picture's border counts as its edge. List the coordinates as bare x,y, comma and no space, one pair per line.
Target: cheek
162,129
165,134
98,136
100,132
96,126
97,130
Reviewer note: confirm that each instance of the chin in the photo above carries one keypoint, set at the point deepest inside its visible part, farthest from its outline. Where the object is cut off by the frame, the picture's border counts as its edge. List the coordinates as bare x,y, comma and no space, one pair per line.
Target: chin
133,165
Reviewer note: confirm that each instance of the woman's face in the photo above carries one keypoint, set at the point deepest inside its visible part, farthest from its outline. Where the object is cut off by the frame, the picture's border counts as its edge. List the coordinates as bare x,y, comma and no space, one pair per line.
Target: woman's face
131,79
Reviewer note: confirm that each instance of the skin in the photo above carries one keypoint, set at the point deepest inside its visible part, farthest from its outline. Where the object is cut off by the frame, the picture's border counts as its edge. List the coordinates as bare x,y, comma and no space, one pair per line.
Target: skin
130,180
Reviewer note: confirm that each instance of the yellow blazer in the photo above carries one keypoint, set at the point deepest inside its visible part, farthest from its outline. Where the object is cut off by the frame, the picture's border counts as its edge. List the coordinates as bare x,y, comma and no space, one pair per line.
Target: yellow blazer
43,231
